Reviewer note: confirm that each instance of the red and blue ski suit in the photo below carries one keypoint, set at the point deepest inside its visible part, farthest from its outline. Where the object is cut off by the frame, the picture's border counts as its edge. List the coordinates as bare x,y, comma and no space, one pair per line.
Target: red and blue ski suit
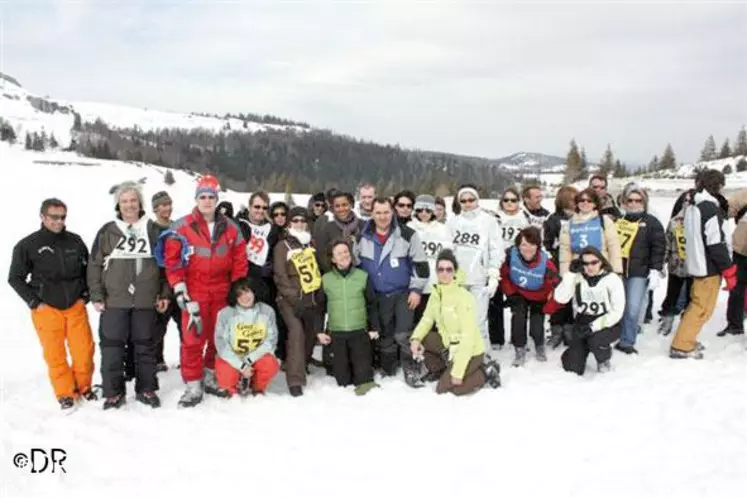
211,265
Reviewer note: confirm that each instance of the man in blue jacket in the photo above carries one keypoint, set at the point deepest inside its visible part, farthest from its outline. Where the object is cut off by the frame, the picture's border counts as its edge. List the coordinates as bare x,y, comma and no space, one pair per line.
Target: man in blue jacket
393,257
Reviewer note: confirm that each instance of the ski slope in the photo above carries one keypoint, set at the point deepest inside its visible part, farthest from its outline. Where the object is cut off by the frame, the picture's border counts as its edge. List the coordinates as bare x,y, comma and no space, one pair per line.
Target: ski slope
653,427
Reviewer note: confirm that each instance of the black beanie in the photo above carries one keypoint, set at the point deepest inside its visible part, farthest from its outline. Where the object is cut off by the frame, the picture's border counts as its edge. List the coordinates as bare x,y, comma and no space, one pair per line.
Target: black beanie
298,211
448,255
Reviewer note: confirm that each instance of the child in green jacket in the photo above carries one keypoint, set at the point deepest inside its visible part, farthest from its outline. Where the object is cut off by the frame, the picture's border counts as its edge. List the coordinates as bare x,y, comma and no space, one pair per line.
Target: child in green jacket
353,320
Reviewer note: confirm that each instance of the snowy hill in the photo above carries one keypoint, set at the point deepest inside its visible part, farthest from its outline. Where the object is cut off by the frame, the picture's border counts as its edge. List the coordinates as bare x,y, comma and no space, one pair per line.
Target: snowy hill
636,427
531,161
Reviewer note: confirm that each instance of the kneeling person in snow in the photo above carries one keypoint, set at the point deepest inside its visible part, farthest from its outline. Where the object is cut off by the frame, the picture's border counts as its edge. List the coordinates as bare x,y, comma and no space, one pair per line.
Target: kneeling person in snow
454,352
528,277
353,320
598,296
128,289
246,335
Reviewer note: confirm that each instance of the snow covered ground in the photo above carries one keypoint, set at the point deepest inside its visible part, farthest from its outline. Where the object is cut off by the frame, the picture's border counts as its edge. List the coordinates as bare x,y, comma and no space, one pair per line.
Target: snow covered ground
654,427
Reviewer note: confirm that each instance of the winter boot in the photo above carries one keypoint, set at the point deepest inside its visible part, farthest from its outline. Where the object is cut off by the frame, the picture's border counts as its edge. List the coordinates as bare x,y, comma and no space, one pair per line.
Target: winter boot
363,389
625,348
210,382
604,367
520,358
162,367
492,372
414,373
730,331
192,395
676,354
296,391
67,404
89,395
115,401
556,336
149,398
540,352
666,325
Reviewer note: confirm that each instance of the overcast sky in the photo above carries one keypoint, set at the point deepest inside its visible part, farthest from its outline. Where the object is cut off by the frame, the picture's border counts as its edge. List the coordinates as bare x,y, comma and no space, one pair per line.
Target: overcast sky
483,78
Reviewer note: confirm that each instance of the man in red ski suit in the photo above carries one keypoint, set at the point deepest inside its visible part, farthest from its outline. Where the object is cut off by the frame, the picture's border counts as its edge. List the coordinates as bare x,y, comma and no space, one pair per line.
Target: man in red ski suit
201,277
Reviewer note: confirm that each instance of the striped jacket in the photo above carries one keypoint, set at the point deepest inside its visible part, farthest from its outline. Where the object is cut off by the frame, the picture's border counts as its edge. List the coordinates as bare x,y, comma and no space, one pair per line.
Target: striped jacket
707,253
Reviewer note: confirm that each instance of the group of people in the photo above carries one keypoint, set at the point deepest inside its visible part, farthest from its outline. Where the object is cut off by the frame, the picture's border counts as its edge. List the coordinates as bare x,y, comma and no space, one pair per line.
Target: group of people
384,285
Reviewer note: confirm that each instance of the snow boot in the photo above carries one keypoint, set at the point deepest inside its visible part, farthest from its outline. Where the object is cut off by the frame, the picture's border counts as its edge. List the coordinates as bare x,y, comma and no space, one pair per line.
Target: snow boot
520,358
149,398
730,331
296,391
210,383
67,404
666,325
192,395
676,354
414,372
556,336
89,395
604,367
540,353
115,402
363,389
625,348
492,372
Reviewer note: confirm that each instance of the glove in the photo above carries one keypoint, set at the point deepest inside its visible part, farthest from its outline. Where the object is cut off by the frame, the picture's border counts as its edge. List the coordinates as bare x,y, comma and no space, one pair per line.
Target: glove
576,266
180,296
654,280
512,301
195,321
730,276
492,286
582,330
551,307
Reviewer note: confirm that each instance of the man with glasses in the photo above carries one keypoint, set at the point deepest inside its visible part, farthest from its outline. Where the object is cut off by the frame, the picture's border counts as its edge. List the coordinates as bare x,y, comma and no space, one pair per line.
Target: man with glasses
203,257
478,246
393,257
403,206
606,203
57,294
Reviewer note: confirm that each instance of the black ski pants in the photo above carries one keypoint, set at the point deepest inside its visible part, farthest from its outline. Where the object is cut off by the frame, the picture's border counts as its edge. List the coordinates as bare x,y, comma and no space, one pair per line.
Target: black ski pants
520,311
598,343
117,327
674,291
496,326
352,359
735,306
395,319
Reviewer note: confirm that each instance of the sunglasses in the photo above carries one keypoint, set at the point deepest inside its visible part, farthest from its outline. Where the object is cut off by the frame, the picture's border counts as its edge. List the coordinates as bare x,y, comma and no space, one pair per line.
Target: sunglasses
279,213
408,206
261,208
441,269
422,210
635,201
511,200
468,200
56,217
591,263
598,187
298,220
206,197
319,205
582,201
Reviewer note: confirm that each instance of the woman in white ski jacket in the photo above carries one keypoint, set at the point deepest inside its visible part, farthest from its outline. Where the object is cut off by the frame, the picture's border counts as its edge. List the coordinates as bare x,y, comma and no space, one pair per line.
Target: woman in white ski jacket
598,296
434,237
478,247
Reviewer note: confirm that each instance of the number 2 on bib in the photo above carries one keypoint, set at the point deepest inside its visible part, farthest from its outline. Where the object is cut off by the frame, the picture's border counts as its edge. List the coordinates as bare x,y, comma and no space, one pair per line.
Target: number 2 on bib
466,238
132,245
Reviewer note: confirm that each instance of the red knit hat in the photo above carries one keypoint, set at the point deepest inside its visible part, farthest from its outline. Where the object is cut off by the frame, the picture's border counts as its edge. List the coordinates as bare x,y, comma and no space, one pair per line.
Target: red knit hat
207,185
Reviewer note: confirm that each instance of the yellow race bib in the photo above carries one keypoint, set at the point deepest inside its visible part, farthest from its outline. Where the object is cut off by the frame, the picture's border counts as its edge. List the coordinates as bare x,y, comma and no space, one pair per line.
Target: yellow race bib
308,270
627,230
679,237
248,336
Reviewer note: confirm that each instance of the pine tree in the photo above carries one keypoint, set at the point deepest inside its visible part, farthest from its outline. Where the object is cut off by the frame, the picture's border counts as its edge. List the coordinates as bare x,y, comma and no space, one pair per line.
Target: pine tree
584,165
572,164
78,123
740,146
668,159
607,164
7,133
709,150
742,165
29,142
53,142
653,165
620,170
37,143
725,150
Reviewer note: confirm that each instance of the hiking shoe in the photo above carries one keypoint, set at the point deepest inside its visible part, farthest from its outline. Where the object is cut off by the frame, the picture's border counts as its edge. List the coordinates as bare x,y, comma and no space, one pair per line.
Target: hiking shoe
625,348
192,395
67,403
363,389
520,358
296,391
114,401
540,353
730,331
89,395
149,398
492,371
677,354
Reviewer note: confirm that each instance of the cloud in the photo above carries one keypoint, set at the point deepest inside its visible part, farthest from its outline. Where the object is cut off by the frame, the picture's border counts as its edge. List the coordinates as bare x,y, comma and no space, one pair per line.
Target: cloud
475,78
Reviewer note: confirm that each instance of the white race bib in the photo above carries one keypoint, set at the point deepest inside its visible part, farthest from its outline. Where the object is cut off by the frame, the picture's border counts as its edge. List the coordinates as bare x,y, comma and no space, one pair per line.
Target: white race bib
135,243
257,247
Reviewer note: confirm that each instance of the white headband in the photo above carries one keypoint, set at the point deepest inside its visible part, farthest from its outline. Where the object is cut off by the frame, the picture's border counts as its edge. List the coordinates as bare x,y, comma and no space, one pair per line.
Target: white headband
468,190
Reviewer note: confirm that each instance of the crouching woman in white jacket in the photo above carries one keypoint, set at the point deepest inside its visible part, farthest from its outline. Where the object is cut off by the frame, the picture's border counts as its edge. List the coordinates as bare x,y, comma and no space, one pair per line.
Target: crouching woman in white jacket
598,296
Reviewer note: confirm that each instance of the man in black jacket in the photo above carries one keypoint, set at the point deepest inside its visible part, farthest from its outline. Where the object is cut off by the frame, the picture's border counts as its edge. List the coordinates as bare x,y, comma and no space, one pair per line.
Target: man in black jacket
607,203
57,294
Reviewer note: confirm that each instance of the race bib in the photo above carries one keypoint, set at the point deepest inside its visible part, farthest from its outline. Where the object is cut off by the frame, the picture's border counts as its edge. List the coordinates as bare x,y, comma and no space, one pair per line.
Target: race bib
584,234
308,270
510,233
593,301
679,237
134,244
257,248
247,337
467,239
432,249
627,230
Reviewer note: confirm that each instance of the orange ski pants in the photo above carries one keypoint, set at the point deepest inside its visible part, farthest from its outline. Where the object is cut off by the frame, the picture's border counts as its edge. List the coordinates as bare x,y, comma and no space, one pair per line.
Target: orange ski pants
58,329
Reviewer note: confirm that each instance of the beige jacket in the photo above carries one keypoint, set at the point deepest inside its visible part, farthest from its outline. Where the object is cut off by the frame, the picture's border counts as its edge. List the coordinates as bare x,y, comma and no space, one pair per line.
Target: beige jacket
610,243
737,203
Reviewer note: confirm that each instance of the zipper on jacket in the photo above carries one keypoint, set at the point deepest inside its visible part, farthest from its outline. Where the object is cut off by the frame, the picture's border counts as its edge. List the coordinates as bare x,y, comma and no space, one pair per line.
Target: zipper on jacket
345,301
60,256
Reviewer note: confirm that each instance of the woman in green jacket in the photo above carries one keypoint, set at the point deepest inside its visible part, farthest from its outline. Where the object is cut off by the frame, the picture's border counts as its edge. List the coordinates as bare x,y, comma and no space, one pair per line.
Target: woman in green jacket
454,351
353,320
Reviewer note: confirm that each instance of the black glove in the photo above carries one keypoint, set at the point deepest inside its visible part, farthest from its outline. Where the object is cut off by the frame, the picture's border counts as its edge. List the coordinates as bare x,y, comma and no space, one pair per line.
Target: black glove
512,301
582,330
576,266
